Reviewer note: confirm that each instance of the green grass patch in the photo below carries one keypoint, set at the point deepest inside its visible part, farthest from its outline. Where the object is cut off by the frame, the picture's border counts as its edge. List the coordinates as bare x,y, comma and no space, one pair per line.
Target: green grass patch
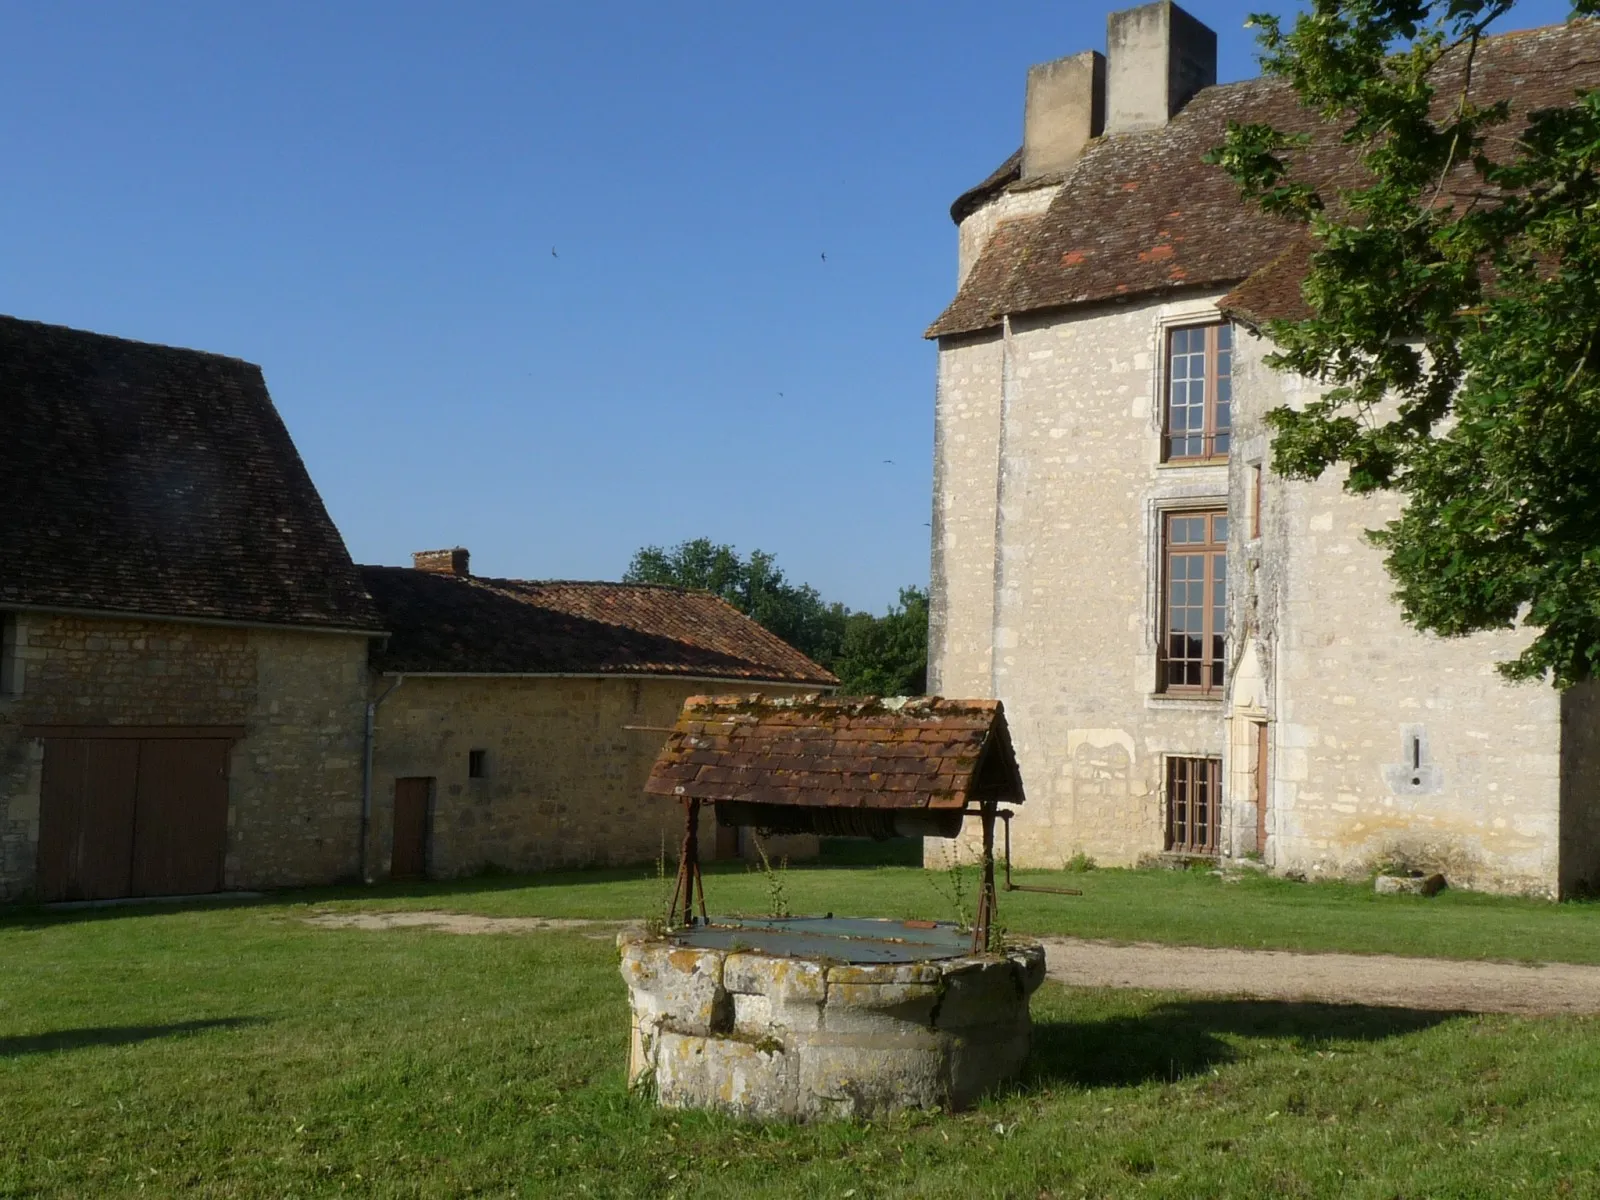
237,1051
1177,907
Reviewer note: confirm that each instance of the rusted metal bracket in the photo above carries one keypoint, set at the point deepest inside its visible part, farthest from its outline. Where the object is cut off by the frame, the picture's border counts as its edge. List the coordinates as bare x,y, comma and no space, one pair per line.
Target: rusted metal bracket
1005,815
987,902
689,885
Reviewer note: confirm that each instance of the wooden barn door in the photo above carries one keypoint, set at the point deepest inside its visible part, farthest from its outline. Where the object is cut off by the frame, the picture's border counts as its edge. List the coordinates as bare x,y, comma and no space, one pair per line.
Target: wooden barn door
132,812
86,814
410,858
180,830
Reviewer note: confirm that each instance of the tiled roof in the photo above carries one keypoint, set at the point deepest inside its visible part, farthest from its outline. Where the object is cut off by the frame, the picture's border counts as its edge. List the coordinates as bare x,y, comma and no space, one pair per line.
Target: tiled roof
1140,214
148,479
1273,292
824,752
455,624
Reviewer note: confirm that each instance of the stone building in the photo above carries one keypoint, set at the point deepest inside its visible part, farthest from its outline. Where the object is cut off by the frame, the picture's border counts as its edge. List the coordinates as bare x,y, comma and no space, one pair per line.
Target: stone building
516,722
197,692
1198,657
184,654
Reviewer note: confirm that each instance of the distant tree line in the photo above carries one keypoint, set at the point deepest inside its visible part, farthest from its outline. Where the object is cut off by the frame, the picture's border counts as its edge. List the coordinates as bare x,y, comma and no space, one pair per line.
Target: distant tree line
872,655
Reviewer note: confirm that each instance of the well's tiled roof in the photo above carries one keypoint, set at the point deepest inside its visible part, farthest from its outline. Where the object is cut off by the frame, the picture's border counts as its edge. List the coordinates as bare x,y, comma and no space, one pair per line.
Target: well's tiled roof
812,751
148,479
469,625
1140,214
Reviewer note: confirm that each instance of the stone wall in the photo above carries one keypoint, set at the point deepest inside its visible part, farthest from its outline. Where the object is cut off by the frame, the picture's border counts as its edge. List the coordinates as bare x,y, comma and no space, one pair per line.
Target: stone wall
1386,743
1063,594
295,778
564,781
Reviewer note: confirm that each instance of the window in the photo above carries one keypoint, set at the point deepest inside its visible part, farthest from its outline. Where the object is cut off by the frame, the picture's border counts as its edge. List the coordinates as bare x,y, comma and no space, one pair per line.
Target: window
1199,415
1195,617
10,656
477,764
1194,805
1256,496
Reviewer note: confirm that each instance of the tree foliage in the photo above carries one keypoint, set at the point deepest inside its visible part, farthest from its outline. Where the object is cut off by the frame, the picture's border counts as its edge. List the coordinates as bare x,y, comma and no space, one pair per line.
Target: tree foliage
871,655
1455,287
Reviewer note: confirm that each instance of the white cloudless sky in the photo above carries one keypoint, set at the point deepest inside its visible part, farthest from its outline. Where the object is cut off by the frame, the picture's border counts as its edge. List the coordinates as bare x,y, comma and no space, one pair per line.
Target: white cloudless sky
364,199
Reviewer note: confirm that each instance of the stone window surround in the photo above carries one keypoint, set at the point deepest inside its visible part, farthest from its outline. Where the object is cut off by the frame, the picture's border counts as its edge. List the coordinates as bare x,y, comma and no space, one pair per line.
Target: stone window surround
1176,315
1212,353
1204,487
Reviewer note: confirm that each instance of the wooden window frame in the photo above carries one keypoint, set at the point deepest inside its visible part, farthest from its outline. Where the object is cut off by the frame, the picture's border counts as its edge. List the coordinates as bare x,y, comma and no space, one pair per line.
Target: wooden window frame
1212,660
1215,438
1257,497
1194,806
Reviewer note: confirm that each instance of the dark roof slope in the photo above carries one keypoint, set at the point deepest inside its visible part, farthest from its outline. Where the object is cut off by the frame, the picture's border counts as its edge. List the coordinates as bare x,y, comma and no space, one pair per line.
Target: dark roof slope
148,479
1141,214
999,179
468,625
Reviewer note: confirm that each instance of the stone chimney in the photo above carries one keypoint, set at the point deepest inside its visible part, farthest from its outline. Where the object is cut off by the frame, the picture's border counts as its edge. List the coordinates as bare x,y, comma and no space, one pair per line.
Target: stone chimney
1064,109
442,562
1159,56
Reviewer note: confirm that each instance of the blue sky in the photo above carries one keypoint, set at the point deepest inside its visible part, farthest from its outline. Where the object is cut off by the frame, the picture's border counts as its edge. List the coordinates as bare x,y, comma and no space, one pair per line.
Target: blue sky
364,199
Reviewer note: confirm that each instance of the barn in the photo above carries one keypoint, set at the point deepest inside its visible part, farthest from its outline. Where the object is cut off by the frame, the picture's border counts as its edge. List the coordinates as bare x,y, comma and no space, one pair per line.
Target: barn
183,666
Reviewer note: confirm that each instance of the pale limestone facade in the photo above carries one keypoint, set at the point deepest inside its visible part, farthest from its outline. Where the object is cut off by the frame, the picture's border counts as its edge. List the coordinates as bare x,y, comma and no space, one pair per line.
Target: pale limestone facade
294,778
564,775
1050,493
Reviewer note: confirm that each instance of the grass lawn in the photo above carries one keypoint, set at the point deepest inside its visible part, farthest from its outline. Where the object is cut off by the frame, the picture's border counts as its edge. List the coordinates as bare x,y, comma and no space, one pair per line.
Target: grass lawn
1178,907
236,1051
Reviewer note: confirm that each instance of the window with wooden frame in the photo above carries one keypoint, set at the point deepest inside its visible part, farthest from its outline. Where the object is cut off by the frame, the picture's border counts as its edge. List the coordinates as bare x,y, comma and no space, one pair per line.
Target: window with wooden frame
1257,495
1194,615
1199,403
1194,805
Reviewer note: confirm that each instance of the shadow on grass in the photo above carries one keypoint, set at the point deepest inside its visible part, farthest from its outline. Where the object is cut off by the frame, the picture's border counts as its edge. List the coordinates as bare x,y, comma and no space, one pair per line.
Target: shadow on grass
1184,1038
113,1035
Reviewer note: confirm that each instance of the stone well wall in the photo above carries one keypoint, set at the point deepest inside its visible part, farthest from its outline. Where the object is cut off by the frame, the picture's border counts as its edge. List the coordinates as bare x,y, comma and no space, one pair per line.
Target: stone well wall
763,1036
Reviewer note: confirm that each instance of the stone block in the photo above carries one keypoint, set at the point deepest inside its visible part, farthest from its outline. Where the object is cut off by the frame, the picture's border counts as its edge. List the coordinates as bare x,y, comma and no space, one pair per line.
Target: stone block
1409,885
750,1078
677,986
870,1079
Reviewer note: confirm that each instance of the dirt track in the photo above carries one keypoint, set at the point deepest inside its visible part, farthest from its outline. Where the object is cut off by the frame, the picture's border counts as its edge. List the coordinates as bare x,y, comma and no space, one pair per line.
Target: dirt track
448,922
1423,983
1428,983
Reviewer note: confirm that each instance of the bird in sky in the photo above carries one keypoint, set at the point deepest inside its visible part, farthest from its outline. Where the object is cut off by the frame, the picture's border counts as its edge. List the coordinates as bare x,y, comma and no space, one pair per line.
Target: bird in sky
824,256
553,253
780,395
889,461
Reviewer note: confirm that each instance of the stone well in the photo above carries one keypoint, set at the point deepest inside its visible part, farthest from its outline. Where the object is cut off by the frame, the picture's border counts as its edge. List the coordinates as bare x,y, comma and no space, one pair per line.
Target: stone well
734,1025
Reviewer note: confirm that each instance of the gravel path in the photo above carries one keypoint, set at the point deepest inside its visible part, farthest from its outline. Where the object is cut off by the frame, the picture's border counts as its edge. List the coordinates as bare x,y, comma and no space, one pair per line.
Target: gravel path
1424,983
448,922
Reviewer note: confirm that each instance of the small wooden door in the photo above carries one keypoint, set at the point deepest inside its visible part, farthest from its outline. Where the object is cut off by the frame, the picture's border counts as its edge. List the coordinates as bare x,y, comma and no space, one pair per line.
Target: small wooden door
410,857
86,813
1263,787
180,833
